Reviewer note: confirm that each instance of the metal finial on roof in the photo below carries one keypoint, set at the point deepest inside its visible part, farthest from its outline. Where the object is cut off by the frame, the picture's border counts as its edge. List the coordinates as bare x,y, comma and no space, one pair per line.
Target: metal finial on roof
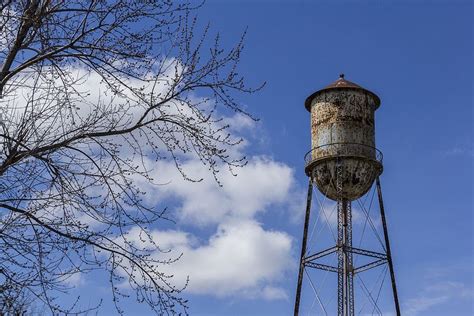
341,76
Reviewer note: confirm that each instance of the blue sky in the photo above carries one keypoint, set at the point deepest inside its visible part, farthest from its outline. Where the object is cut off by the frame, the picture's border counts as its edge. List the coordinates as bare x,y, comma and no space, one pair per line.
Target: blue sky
417,57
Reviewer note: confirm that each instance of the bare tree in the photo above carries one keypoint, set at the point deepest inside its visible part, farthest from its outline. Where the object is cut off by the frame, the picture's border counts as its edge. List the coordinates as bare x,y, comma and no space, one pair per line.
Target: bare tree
89,92
14,301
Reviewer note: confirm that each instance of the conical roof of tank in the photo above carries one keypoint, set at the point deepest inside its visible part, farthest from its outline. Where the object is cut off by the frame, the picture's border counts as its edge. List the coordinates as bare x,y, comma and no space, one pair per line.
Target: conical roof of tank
340,83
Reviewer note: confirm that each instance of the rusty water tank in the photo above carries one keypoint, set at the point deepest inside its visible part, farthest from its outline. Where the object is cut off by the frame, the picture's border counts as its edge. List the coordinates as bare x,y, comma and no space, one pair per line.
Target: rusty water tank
343,153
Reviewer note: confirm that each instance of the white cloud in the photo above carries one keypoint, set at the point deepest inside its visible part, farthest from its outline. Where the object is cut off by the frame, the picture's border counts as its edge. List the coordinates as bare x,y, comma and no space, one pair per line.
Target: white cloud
420,304
274,293
460,149
240,122
439,290
241,258
263,182
74,280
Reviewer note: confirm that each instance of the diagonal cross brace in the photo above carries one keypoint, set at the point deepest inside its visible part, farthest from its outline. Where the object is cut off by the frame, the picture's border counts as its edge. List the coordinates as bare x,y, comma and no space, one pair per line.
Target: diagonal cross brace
322,267
320,254
370,265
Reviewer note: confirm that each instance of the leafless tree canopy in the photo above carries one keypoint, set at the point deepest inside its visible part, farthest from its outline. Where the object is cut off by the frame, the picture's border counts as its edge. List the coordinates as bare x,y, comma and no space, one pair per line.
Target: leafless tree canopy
90,91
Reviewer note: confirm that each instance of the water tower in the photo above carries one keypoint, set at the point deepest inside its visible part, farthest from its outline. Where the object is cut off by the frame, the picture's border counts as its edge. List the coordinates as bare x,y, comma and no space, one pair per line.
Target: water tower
344,164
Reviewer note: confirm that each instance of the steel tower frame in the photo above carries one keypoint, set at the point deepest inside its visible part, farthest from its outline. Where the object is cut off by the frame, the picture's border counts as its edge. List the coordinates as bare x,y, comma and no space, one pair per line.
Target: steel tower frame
345,269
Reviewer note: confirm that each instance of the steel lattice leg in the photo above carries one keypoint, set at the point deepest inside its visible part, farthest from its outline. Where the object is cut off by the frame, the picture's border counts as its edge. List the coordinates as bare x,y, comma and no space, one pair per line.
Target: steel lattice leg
303,247
387,245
